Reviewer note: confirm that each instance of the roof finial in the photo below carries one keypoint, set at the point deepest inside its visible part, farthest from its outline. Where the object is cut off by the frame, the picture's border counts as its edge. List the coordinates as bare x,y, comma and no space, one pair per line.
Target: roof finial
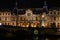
45,3
16,4
45,7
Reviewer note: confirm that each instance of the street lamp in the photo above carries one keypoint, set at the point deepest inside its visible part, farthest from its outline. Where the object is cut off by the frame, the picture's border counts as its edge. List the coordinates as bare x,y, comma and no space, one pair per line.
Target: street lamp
0,24
43,20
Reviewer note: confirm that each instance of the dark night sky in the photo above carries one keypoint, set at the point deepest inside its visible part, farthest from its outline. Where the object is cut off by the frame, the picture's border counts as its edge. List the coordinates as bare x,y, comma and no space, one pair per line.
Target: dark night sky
28,3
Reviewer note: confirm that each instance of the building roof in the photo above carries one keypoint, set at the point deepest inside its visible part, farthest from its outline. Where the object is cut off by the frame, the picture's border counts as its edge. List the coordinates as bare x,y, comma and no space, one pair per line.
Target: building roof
3,10
55,8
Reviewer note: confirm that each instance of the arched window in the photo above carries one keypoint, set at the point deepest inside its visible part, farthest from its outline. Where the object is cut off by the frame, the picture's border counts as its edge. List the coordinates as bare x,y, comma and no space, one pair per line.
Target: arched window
6,18
13,23
54,12
50,12
54,18
5,23
8,23
13,18
57,25
3,14
20,18
6,13
58,12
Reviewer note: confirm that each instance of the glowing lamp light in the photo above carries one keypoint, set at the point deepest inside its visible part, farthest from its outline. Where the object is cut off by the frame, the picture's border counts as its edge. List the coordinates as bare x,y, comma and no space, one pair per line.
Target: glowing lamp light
58,29
0,24
27,25
42,16
34,25
46,39
43,24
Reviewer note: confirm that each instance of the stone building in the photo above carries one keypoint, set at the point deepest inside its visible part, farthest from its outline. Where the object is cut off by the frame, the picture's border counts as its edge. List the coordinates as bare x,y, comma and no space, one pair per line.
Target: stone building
31,17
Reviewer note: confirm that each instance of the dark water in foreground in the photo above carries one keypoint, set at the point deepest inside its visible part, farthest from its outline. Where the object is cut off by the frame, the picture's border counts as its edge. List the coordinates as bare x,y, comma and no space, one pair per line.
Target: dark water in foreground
31,38
10,36
24,35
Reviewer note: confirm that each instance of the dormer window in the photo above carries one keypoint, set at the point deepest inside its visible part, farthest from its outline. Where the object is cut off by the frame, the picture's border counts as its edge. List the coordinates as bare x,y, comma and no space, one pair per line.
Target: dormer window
29,12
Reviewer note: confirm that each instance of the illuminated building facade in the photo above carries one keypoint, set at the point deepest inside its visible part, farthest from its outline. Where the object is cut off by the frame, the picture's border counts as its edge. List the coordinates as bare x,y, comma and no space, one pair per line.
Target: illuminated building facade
7,18
29,19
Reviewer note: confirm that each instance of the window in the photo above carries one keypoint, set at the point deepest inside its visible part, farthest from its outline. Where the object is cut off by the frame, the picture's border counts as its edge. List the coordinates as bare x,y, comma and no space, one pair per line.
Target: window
29,14
6,13
24,18
13,23
58,12
0,18
5,23
54,12
54,18
36,18
8,23
3,13
6,18
20,18
51,13
13,18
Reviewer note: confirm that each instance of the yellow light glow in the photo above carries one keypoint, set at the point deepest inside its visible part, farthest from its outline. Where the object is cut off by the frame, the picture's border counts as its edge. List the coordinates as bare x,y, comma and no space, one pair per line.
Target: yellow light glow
18,24
0,23
31,25
27,25
34,25
23,25
43,16
43,25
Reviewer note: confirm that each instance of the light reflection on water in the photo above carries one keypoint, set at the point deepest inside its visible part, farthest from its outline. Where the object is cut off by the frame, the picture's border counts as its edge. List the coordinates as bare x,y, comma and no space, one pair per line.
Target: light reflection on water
36,38
40,38
46,39
31,37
